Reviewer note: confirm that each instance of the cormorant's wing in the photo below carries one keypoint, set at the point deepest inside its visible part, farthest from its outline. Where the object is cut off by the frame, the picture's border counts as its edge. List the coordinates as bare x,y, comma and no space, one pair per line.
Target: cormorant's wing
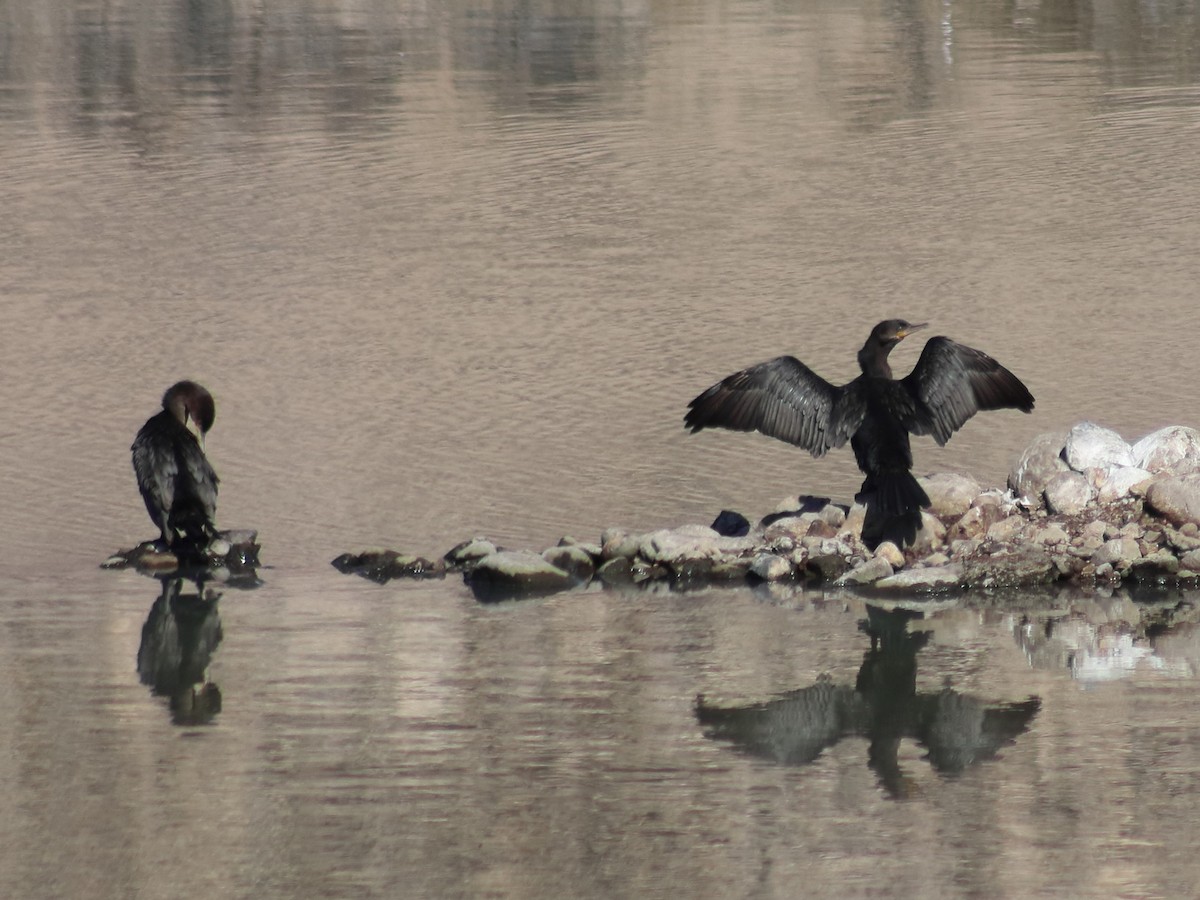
155,465
955,382
784,399
203,479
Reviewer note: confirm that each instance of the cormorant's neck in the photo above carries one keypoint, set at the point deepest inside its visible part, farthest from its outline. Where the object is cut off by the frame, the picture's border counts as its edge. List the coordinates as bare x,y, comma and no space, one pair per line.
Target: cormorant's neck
873,360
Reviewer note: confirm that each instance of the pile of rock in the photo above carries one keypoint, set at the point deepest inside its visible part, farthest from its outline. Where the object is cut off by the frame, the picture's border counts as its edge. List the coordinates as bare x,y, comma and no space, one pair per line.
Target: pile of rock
1082,506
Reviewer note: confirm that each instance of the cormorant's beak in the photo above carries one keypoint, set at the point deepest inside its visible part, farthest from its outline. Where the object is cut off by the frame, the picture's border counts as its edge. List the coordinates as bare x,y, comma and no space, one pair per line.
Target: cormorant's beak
909,329
194,427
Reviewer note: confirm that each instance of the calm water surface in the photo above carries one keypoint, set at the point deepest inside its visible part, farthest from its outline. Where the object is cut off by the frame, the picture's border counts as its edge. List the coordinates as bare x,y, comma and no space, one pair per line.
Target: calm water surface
457,269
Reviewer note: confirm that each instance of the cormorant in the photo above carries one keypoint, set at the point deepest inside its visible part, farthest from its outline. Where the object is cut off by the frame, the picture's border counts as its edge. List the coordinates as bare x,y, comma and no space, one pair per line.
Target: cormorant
785,399
175,478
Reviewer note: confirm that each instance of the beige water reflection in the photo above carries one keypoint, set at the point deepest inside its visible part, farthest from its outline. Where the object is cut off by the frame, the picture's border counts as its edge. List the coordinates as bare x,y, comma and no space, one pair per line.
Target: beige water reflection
458,269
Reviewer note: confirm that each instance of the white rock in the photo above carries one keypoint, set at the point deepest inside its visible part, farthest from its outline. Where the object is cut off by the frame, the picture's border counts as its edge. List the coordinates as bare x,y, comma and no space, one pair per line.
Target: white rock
1174,449
1089,444
1117,483
1068,493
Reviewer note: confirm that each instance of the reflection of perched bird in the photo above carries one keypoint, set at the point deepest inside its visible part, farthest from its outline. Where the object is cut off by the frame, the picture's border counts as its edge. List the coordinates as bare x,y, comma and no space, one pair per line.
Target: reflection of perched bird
785,399
176,481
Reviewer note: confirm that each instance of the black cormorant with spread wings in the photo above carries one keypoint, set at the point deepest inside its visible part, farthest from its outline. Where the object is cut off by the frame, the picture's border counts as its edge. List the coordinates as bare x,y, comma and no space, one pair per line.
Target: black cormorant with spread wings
173,474
785,399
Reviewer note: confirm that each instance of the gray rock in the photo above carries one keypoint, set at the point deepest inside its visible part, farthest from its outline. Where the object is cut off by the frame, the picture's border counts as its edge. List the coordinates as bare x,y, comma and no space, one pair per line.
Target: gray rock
1090,445
1040,462
1118,553
1118,483
1068,493
950,495
833,515
1176,498
868,572
507,574
1174,450
770,567
616,542
1191,560
921,580
617,571
1010,567
573,560
794,527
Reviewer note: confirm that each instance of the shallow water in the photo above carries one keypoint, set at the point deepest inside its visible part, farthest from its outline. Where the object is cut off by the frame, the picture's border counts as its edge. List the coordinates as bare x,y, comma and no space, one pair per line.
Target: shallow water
458,270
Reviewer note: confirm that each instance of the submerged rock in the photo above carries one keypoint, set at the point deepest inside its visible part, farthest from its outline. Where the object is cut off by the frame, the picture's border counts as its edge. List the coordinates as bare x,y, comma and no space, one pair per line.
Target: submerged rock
508,574
381,566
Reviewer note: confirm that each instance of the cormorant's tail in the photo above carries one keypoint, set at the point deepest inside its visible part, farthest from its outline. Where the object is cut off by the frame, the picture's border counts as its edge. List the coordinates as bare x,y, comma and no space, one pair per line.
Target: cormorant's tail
893,501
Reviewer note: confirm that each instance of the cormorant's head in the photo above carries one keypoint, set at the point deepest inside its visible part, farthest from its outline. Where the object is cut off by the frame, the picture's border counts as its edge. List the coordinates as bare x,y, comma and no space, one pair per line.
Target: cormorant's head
893,331
192,405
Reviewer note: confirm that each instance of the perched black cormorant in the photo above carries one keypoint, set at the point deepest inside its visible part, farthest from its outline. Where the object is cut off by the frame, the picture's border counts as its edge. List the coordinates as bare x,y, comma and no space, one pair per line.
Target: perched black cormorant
785,399
176,481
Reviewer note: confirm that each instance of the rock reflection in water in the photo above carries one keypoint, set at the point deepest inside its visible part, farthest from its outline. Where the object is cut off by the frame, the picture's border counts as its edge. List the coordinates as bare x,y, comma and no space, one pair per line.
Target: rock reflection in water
181,633
956,730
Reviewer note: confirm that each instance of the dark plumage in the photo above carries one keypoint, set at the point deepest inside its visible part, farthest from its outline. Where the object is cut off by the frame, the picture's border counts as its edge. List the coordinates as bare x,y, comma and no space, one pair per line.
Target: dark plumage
785,399
176,481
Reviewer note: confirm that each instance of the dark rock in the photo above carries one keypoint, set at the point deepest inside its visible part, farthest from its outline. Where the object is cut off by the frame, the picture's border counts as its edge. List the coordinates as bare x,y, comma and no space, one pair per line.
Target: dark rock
617,571
731,524
692,573
828,566
381,566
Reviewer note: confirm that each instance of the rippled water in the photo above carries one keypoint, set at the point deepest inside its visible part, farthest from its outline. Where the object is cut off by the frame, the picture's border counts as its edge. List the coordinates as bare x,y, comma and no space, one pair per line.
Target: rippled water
457,270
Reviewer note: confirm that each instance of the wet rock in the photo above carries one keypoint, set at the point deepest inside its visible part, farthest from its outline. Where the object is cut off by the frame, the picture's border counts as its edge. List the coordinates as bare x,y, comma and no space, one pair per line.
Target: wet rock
731,524
769,567
616,542
868,572
671,546
231,555
573,560
617,571
381,566
1174,449
950,495
692,573
1117,552
1040,462
1176,498
1160,566
1009,567
731,568
469,552
928,580
1117,484
509,574
1068,493
591,549
1089,445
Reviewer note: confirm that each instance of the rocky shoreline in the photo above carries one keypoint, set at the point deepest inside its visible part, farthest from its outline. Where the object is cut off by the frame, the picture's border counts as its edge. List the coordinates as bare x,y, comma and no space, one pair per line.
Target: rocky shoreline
1082,506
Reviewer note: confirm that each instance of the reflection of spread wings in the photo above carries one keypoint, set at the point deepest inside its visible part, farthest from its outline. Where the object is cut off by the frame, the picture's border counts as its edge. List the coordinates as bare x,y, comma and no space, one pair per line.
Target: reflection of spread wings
784,399
954,382
959,730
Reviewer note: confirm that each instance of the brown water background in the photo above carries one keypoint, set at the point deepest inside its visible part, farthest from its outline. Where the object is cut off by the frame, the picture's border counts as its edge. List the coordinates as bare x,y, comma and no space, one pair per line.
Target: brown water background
457,269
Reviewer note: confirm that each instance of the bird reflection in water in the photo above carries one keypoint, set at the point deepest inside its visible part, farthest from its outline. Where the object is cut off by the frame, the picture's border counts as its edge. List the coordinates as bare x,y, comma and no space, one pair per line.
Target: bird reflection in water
876,413
179,638
956,730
